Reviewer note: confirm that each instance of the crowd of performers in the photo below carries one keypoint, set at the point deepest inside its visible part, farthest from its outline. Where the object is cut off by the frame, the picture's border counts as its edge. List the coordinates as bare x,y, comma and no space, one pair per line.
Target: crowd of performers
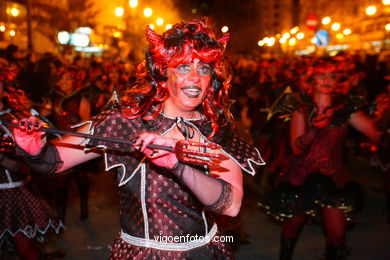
307,106
299,112
61,93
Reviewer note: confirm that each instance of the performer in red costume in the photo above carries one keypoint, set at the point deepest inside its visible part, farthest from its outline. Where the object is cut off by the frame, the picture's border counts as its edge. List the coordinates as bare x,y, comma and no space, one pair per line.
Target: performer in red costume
181,94
316,182
24,217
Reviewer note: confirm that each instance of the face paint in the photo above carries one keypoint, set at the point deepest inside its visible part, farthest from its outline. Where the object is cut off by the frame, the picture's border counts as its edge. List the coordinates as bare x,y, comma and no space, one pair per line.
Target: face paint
325,82
187,85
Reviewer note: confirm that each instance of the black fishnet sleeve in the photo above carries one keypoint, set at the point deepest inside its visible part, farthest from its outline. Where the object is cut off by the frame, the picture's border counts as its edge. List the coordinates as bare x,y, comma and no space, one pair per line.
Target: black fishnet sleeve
215,194
47,161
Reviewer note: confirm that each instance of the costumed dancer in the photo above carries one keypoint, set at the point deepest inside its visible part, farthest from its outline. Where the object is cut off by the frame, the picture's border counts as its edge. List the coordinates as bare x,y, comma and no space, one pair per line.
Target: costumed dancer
24,218
70,105
381,158
182,94
316,182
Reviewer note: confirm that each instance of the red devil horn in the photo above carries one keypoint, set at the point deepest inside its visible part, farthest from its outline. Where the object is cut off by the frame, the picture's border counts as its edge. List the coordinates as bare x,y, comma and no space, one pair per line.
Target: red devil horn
152,37
225,39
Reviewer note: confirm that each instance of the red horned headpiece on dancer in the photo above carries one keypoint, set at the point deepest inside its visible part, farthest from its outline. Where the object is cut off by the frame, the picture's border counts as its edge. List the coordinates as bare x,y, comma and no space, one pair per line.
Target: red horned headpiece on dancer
324,68
76,75
180,45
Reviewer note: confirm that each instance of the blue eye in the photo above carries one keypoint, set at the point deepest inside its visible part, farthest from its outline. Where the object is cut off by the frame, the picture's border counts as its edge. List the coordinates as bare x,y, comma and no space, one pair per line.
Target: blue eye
204,70
184,68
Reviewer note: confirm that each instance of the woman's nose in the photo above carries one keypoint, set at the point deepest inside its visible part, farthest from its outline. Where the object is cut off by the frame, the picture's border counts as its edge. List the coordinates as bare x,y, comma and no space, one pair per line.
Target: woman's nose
194,75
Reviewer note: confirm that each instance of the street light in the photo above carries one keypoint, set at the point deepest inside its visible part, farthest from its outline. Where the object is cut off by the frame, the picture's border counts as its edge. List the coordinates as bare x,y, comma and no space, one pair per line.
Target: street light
326,20
336,26
14,11
339,36
294,30
159,21
224,29
119,11
283,40
133,3
271,41
148,12
286,35
292,41
347,31
371,10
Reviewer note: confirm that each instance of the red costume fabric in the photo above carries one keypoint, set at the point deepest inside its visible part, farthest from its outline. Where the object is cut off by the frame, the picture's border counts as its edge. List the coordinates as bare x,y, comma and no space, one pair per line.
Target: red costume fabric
325,155
153,201
21,211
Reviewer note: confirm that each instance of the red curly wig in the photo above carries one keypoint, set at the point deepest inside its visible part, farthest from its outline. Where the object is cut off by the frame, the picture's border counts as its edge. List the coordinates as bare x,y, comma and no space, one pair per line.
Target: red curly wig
323,65
180,45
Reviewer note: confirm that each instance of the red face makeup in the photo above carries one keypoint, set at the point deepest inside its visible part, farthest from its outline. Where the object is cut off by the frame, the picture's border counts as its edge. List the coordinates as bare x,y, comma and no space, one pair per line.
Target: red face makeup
187,85
325,82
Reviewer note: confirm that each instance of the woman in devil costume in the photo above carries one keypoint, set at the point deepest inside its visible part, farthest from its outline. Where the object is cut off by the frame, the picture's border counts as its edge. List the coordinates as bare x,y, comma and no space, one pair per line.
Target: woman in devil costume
23,217
166,196
381,157
70,104
316,182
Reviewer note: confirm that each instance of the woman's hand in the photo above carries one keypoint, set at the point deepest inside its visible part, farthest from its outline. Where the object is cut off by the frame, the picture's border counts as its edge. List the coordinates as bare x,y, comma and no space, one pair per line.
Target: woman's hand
160,158
324,118
28,137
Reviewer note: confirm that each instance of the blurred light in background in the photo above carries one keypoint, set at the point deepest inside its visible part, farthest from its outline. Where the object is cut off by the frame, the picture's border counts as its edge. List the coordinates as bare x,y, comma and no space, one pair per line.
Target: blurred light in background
300,36
151,26
271,41
336,26
326,20
283,40
14,11
339,36
313,40
371,10
84,30
81,40
12,33
148,12
225,29
63,37
133,3
386,2
168,26
292,41
2,28
119,11
387,27
260,43
117,34
160,21
347,31
286,35
294,30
